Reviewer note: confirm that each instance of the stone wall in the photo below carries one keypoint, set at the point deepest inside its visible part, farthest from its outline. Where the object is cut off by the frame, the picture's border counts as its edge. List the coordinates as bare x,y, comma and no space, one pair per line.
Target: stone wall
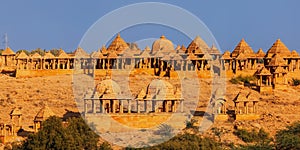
247,117
40,73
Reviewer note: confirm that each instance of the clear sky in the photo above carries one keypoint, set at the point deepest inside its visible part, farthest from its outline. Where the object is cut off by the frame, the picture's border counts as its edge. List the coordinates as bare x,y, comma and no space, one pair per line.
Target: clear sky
51,24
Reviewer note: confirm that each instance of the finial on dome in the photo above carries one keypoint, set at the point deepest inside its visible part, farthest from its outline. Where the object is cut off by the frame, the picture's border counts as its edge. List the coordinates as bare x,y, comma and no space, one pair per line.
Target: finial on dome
118,35
162,37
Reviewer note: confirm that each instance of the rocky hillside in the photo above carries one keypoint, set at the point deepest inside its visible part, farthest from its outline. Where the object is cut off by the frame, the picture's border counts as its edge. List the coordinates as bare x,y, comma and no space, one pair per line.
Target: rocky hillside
276,110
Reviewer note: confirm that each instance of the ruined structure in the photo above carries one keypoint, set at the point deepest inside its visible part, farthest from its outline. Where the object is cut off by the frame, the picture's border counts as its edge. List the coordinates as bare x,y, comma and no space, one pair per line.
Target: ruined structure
43,114
9,131
245,106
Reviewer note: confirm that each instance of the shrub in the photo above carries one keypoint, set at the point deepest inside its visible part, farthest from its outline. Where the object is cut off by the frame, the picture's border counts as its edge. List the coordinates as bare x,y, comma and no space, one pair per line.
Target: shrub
53,135
288,138
190,124
296,82
189,142
244,79
252,136
105,146
165,130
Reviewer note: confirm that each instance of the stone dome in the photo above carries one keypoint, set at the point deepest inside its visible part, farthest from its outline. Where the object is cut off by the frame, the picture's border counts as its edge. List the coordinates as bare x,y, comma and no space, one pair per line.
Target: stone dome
160,90
162,44
108,89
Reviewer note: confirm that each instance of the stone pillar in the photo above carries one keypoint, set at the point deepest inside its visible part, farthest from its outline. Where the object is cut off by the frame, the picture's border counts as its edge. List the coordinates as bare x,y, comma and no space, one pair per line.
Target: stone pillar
181,105
58,64
113,106
68,64
94,106
236,106
138,106
85,106
102,106
153,105
165,104
121,106
129,106
186,65
173,65
118,61
181,65
103,63
260,80
172,106
146,107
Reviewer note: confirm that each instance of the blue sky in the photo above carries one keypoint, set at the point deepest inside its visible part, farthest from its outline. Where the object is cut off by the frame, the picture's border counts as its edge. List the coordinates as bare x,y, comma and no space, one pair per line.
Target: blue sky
61,24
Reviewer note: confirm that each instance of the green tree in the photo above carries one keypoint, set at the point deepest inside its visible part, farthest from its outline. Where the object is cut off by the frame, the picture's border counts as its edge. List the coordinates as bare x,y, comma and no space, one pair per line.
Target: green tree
288,139
189,142
54,135
105,146
54,52
252,136
39,51
51,136
83,136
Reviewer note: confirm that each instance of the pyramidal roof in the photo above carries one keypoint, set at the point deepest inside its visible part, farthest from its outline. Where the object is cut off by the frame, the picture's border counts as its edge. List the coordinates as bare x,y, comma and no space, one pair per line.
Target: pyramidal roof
214,50
200,42
118,44
178,47
16,112
242,47
79,52
244,96
280,70
128,53
294,53
146,53
112,54
260,53
241,56
277,60
97,54
44,113
48,55
22,55
226,55
263,71
62,54
104,50
194,48
192,57
36,56
166,57
183,48
141,95
278,48
177,57
8,51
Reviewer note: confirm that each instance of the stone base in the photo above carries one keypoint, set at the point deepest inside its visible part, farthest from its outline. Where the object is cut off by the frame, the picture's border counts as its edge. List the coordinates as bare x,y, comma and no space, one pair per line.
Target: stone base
280,86
130,122
265,89
247,117
221,117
